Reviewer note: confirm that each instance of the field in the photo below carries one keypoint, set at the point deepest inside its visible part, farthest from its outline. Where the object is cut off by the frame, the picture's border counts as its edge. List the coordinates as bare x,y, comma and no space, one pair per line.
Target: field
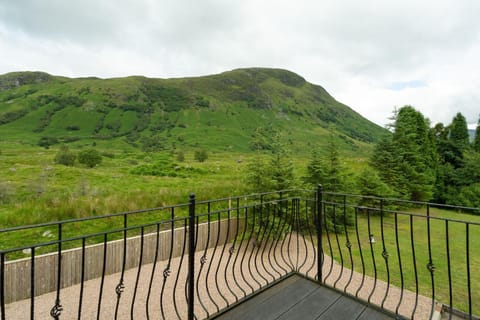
35,190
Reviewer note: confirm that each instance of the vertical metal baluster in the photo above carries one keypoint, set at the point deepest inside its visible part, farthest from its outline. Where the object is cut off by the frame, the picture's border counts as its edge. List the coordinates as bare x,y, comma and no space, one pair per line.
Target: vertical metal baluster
348,244
191,258
57,308
306,256
239,250
2,285
212,258
414,267
251,252
245,251
467,252
327,233
361,253
230,252
32,283
385,253
309,229
295,211
103,276
132,307
338,245
281,234
430,265
179,267
154,267
373,259
167,271
261,237
290,229
320,257
220,260
449,271
399,264
203,260
273,242
82,281
121,286
266,240
277,240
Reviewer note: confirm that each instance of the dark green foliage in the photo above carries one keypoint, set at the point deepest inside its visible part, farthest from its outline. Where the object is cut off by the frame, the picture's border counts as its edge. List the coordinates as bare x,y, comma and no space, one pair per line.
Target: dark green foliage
153,143
201,155
180,156
407,160
65,156
327,170
476,139
315,170
273,171
89,157
12,116
46,142
459,132
72,128
281,166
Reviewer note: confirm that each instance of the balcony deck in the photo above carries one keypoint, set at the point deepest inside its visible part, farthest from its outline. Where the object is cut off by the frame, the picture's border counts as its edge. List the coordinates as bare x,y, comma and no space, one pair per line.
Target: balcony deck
300,298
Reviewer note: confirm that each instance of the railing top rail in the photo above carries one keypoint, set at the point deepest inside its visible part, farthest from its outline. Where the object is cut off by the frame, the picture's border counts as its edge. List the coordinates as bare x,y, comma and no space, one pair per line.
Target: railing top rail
128,213
423,203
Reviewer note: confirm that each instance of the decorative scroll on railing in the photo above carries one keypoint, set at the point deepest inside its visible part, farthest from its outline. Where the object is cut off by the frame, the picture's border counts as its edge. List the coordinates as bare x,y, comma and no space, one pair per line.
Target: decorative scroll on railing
199,259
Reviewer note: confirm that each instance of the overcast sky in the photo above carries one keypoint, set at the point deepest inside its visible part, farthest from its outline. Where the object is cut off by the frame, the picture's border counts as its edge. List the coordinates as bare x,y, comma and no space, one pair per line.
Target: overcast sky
370,55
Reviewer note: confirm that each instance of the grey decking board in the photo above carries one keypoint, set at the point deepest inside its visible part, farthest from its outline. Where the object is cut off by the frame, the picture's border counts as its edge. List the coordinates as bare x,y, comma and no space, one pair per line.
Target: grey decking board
298,298
259,298
279,302
312,305
343,308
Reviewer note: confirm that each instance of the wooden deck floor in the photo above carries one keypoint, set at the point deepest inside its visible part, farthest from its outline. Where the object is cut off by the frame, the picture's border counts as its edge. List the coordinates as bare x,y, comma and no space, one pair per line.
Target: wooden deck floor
300,298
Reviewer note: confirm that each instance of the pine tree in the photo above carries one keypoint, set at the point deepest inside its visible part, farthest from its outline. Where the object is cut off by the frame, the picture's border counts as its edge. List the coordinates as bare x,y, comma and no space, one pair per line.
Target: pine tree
476,140
407,160
459,132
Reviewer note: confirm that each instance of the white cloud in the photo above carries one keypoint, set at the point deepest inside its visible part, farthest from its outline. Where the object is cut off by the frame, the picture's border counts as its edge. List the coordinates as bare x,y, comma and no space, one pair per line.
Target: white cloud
357,50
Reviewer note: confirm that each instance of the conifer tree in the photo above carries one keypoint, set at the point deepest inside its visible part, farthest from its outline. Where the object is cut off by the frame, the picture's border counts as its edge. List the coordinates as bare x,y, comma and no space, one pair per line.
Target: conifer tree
406,161
476,140
459,132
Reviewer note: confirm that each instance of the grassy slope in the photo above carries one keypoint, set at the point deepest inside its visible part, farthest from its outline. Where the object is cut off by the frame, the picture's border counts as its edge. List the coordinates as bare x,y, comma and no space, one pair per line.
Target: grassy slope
218,112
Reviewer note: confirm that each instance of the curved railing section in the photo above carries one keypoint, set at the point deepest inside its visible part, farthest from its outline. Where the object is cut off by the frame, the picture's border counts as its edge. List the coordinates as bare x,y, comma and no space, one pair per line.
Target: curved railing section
197,260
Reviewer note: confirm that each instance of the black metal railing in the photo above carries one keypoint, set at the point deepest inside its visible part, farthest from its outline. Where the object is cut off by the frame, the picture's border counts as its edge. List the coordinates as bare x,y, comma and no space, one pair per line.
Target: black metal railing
197,260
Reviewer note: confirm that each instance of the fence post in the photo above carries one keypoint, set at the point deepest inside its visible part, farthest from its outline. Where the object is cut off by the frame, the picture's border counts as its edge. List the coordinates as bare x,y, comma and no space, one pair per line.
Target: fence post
191,257
319,232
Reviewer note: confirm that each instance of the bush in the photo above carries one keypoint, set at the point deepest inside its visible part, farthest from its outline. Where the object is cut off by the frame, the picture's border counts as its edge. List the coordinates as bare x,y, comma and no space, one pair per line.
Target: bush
65,156
90,157
201,155
180,156
46,142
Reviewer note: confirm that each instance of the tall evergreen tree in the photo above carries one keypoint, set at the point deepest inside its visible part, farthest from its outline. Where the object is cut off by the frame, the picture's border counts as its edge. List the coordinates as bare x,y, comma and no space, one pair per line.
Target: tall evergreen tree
476,140
407,160
459,132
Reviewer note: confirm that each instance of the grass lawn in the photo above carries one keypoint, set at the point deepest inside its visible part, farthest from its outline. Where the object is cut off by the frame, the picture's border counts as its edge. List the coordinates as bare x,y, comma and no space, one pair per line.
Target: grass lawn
399,227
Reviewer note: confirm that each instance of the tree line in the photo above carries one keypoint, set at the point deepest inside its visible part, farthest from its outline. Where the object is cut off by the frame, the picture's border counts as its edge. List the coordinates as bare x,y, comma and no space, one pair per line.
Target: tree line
417,162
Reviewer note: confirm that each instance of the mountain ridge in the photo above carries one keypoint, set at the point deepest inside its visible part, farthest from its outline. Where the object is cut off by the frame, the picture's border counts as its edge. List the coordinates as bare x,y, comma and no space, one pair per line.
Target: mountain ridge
221,111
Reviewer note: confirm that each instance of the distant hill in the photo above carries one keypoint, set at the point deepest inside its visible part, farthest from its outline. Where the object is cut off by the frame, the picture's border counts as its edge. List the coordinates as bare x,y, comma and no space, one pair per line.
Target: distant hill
226,111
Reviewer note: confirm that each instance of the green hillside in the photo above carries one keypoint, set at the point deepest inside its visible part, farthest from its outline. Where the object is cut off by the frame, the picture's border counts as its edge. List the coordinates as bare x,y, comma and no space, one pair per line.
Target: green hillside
220,112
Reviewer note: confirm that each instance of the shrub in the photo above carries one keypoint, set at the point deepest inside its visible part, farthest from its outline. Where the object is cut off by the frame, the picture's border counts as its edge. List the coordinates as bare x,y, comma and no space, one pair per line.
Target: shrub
180,156
90,157
201,155
65,156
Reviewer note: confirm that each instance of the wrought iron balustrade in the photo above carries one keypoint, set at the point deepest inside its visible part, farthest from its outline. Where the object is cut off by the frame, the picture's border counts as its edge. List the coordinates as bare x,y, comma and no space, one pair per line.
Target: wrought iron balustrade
201,258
